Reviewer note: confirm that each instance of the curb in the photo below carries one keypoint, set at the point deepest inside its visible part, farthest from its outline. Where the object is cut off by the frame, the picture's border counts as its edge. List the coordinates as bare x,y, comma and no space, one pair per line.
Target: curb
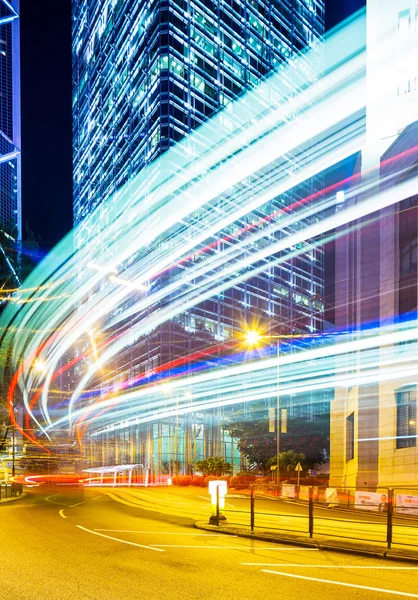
295,541
6,500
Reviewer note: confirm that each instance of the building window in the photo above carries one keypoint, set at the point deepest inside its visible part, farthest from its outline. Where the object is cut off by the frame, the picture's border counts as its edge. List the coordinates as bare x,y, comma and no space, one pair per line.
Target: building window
349,438
409,257
406,417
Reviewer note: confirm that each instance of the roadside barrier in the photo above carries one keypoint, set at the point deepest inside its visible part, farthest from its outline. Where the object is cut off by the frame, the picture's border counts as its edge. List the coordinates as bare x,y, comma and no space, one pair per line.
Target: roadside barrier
381,515
10,490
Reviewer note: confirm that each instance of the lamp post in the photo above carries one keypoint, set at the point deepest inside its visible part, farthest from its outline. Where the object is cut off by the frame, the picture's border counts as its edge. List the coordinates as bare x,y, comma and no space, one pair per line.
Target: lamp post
253,338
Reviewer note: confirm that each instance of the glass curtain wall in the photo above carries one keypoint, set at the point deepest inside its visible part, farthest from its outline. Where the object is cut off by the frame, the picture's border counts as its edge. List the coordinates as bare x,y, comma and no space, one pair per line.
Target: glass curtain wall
145,75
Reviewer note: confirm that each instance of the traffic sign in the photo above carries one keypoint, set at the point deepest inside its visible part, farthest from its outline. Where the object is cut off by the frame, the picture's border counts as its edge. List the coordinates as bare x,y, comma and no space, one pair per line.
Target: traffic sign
298,467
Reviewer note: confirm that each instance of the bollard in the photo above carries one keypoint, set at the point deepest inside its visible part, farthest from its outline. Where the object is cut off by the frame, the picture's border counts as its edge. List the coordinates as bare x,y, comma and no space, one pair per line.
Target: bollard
252,509
217,490
311,512
217,505
390,519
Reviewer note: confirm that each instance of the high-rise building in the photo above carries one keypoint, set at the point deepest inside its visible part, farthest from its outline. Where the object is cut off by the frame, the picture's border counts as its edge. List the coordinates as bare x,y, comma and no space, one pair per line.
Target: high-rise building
10,186
146,75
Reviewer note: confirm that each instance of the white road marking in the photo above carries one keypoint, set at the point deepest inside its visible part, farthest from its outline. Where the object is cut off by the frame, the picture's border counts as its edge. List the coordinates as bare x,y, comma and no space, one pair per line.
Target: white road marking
351,585
122,501
118,539
165,532
96,497
78,504
61,514
222,547
329,566
54,501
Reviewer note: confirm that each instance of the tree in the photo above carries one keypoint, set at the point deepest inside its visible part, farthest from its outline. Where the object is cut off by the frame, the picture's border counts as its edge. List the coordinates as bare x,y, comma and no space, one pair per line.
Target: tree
253,440
310,438
288,461
171,466
214,465
17,260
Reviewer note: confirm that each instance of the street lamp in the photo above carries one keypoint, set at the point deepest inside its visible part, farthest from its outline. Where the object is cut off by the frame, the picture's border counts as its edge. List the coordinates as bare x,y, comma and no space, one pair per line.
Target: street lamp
253,338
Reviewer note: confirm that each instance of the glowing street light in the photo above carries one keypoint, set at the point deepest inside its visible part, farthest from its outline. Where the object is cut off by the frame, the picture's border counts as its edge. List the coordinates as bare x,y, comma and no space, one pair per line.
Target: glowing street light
39,365
252,337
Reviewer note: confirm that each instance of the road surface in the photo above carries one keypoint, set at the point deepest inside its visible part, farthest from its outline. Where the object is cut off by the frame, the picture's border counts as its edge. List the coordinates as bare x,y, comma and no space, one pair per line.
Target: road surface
63,544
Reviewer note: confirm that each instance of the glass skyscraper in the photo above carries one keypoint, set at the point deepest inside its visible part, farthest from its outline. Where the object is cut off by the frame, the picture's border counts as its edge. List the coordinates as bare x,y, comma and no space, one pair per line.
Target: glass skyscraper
145,75
10,187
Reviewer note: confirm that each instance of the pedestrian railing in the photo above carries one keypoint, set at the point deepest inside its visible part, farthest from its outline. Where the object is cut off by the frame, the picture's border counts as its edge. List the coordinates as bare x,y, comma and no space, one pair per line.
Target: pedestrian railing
10,490
383,515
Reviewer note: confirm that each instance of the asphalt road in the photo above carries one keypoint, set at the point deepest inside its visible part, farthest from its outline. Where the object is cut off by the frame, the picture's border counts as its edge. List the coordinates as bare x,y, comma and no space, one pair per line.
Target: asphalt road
275,514
73,544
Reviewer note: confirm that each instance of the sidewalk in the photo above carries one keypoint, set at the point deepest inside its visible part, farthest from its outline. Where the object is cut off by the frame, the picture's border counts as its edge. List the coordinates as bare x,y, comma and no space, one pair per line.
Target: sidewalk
5,500
321,542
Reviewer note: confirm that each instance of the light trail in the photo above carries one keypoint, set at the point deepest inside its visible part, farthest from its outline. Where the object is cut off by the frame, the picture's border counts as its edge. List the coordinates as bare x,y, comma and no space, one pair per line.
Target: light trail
387,338
187,211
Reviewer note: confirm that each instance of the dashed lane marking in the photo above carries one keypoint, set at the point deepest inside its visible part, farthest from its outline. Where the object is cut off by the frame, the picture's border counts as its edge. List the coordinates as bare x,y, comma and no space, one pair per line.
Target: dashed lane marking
109,537
341,583
61,514
78,504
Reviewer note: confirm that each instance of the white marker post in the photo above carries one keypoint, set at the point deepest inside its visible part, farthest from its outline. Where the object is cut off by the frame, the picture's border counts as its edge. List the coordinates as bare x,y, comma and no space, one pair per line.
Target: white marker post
298,469
217,491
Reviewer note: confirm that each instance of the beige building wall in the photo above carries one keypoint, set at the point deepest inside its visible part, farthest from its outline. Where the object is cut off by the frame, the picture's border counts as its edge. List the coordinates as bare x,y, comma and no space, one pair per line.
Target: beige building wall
368,260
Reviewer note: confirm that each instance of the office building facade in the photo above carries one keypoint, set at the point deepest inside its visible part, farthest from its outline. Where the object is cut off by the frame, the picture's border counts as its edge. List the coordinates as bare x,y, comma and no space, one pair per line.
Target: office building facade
10,165
373,427
145,75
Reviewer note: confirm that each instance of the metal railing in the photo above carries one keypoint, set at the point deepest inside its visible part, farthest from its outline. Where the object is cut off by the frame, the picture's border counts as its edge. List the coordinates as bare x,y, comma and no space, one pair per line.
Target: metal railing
383,515
10,490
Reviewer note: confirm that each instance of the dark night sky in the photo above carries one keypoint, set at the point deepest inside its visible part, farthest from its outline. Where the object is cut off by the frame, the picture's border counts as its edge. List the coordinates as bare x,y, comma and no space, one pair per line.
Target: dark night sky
46,111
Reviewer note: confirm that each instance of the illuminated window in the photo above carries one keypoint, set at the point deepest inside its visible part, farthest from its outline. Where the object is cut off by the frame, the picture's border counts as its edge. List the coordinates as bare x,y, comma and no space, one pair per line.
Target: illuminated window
408,257
349,437
406,417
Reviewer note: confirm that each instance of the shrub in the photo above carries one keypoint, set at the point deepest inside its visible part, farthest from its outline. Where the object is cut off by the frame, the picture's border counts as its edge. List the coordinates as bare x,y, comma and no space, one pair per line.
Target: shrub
175,480
242,481
262,480
234,482
198,480
209,478
226,478
185,480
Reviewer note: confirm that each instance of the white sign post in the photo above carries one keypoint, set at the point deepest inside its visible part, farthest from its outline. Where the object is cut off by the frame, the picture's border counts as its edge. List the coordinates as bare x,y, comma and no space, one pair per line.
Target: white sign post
217,491
298,469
